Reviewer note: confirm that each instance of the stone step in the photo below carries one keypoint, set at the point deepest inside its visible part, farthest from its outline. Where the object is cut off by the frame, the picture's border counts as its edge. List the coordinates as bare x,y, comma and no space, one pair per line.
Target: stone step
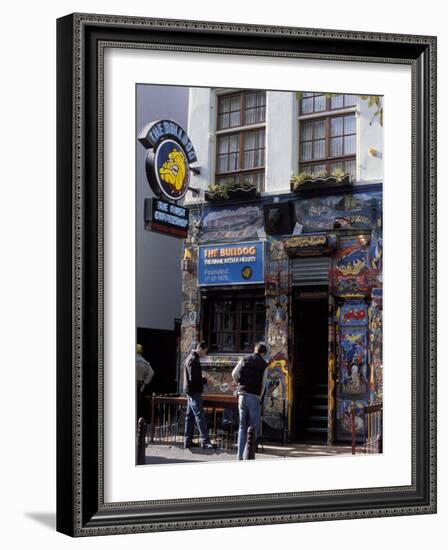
320,407
319,418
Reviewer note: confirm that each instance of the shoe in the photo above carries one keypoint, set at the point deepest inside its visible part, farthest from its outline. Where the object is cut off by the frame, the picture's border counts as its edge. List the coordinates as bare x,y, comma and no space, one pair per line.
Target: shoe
188,445
207,445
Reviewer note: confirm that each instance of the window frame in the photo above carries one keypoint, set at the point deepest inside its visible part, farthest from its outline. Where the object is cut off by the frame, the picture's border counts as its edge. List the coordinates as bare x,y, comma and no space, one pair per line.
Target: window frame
238,297
327,160
328,108
242,130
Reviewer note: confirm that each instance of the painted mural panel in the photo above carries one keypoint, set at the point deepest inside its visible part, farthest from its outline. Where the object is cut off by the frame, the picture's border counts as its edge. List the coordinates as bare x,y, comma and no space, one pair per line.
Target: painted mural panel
189,335
353,372
331,369
190,307
334,212
217,370
277,291
224,225
376,346
344,418
219,379
350,274
353,314
278,385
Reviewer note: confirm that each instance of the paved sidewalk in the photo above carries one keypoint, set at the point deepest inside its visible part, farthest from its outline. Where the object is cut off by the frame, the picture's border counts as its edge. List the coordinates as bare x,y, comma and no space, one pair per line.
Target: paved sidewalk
171,453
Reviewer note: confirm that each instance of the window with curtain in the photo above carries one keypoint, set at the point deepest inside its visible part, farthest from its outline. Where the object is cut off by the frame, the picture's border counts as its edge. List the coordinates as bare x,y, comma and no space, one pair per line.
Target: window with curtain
240,141
327,143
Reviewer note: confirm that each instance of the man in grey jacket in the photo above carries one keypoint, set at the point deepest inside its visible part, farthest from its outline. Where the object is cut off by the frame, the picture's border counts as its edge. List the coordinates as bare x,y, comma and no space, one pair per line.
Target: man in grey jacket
250,374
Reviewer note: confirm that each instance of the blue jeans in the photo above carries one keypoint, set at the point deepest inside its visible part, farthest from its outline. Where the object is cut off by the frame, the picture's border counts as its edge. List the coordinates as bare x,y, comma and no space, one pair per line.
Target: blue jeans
195,414
249,409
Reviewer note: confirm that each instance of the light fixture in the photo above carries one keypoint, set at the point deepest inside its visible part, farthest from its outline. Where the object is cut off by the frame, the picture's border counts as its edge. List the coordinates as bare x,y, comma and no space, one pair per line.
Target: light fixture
187,262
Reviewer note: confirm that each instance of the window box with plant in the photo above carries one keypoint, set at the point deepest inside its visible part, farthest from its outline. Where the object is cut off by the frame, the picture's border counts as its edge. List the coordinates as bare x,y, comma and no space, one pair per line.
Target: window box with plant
232,191
306,180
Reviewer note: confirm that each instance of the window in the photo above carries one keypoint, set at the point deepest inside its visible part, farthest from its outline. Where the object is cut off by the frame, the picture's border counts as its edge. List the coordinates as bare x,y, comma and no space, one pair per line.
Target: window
235,322
327,143
240,143
312,102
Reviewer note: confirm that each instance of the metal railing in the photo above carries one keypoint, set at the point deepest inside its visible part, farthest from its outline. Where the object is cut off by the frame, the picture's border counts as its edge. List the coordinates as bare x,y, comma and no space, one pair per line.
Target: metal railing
372,441
168,419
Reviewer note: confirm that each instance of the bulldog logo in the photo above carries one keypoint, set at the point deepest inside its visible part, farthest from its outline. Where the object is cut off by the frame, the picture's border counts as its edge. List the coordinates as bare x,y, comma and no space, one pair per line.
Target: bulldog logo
174,169
167,163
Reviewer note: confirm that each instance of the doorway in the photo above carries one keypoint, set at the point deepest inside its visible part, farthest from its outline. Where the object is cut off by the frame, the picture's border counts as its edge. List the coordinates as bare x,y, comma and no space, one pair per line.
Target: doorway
309,414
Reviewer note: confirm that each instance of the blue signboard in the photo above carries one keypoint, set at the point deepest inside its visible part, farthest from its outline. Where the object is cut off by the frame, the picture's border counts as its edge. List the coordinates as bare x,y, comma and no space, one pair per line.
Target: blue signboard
231,264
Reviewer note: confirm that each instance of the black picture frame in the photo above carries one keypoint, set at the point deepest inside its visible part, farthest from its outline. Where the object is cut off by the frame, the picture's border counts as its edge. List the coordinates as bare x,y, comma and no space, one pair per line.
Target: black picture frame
81,510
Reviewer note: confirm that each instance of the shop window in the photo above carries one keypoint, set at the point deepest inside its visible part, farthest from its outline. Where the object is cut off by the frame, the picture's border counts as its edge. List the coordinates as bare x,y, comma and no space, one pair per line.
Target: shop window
240,140
234,323
327,143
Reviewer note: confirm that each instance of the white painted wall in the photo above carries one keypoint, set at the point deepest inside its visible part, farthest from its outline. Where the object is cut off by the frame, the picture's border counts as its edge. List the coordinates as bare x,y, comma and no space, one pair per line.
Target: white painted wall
201,127
370,134
282,133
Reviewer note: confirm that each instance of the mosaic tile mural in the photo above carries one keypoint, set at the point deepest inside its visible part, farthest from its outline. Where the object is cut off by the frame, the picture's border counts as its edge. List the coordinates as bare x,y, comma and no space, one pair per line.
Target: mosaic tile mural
355,301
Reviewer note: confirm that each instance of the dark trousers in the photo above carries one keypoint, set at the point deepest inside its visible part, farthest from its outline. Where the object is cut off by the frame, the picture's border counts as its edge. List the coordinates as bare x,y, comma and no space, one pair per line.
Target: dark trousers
141,403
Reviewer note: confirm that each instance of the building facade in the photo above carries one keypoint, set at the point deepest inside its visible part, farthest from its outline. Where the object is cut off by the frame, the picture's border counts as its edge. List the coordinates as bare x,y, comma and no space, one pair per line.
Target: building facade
285,246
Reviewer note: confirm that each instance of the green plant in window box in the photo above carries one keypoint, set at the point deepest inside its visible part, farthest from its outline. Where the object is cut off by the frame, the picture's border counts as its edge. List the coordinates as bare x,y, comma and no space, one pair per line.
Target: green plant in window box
219,190
299,179
339,174
308,180
225,191
319,174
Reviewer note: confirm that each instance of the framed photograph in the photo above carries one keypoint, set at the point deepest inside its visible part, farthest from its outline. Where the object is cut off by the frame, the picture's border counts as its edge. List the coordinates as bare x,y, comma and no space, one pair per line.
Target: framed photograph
246,275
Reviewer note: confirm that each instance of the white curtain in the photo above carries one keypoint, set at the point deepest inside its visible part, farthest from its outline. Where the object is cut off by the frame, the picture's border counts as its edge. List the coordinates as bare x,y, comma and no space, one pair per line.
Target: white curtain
228,153
255,109
254,149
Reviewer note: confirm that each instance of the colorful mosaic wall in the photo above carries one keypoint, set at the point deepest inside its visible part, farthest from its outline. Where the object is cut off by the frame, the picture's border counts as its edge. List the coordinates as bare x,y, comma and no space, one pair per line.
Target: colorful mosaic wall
332,371
278,296
376,346
356,277
190,292
278,393
355,302
353,366
278,291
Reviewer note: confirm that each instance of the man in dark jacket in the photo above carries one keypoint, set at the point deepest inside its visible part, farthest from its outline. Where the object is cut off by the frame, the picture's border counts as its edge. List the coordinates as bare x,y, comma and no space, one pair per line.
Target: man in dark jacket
250,375
193,387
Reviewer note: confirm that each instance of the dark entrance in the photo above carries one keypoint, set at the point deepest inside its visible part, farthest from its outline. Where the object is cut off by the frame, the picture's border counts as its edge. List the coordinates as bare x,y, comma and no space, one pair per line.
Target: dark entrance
310,375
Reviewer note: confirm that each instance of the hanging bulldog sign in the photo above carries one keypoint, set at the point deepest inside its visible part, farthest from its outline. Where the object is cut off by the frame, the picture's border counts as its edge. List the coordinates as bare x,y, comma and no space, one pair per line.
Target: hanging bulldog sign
170,153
